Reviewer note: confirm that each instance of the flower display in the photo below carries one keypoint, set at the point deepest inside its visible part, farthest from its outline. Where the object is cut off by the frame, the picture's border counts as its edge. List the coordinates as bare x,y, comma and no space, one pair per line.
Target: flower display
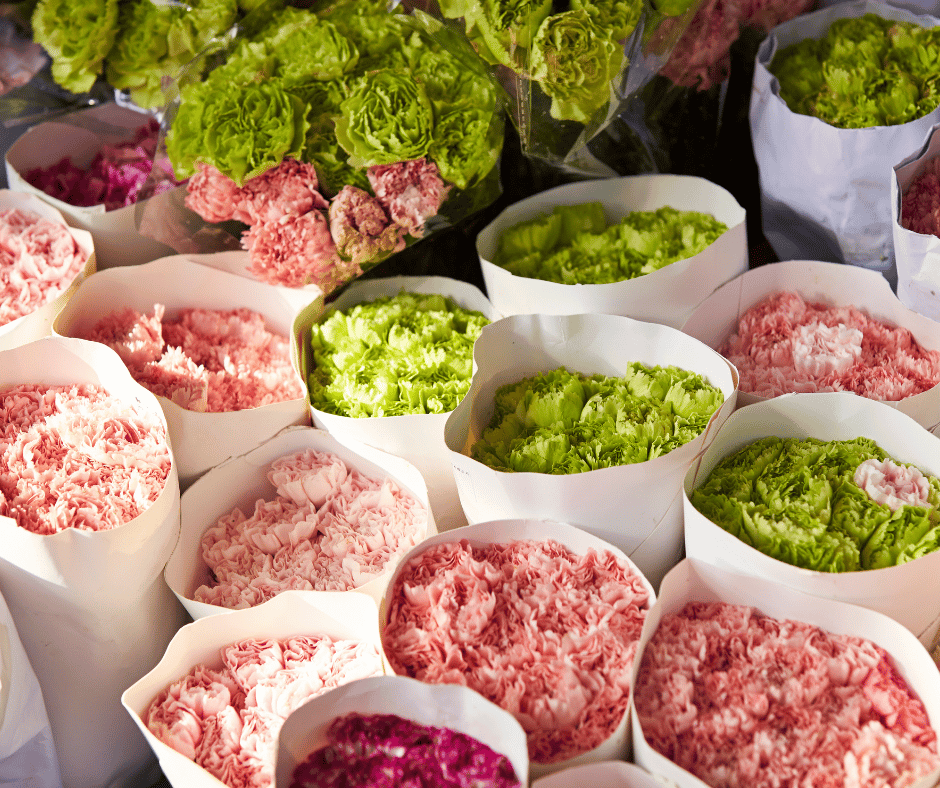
39,259
115,177
77,457
376,104
828,506
920,204
566,422
204,360
739,698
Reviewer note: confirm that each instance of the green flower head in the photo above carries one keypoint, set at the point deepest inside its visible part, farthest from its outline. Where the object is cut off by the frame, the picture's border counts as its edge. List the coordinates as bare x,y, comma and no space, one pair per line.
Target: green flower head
241,130
574,61
77,34
387,118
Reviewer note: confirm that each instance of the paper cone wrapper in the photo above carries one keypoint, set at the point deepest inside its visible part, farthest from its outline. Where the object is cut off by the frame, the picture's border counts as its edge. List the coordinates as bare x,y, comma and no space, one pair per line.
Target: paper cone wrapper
91,607
635,507
80,136
665,296
617,746
694,580
241,481
607,774
443,706
909,593
832,284
199,440
38,323
419,438
825,191
26,745
337,616
917,255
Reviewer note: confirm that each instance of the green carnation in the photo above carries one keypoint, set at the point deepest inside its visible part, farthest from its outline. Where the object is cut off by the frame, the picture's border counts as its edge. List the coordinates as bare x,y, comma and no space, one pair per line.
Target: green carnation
241,130
574,61
77,34
155,41
387,118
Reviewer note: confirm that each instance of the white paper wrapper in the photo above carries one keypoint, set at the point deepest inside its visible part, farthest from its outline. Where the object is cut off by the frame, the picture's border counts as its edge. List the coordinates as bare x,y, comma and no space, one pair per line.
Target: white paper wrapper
338,616
92,609
199,440
241,481
617,746
419,438
80,136
665,296
693,580
38,324
27,752
825,191
833,284
635,507
908,593
917,255
607,774
442,706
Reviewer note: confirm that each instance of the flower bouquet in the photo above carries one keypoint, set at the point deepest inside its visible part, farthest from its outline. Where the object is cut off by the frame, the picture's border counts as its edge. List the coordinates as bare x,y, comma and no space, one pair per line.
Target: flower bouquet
138,45
325,141
381,731
834,91
831,494
88,523
212,706
569,68
915,198
605,451
822,685
215,348
805,325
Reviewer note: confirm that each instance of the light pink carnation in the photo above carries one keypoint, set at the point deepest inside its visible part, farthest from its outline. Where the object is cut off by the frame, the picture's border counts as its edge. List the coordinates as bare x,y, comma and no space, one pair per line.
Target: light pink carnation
361,227
411,192
920,204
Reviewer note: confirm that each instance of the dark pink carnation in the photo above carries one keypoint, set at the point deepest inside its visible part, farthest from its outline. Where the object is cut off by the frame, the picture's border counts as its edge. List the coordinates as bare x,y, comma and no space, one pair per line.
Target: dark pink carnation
114,178
920,204
361,228
411,192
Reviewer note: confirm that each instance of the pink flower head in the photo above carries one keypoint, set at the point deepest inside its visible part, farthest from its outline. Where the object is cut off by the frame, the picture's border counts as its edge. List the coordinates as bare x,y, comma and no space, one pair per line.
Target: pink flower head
361,227
296,251
411,192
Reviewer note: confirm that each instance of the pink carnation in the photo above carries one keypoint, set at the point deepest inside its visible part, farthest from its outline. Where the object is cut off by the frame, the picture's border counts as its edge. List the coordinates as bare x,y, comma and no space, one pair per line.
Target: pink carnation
289,189
701,57
204,360
920,204
297,251
39,260
77,457
361,227
227,720
411,192
741,699
546,634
